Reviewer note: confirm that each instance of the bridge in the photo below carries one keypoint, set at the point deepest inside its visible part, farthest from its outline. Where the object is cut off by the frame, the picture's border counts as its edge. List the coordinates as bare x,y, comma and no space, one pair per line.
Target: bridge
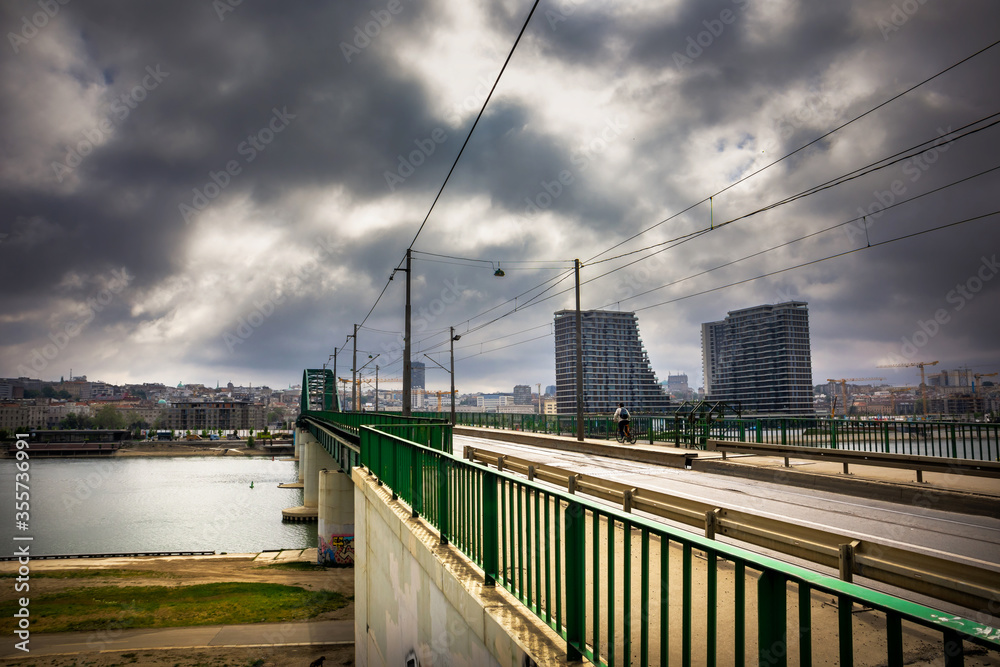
487,558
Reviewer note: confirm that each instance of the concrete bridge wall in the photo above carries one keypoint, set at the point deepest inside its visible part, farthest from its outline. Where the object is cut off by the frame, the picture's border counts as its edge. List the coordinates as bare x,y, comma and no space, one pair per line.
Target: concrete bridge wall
417,600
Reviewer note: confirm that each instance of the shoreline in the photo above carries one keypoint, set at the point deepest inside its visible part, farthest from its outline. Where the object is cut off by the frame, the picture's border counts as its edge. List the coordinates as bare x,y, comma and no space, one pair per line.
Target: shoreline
177,448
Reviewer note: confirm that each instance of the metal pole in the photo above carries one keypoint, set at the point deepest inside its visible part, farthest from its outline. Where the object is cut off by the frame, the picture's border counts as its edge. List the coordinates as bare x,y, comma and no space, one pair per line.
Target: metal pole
452,375
354,373
406,343
376,387
335,375
579,356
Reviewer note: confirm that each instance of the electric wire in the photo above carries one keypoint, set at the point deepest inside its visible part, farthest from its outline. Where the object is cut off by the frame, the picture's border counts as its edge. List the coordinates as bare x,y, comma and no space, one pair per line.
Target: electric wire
801,238
474,124
457,157
844,178
821,259
503,347
797,150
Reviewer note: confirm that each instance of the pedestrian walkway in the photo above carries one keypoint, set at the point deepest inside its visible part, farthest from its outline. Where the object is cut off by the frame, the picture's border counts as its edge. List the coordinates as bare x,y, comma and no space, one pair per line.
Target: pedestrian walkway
254,635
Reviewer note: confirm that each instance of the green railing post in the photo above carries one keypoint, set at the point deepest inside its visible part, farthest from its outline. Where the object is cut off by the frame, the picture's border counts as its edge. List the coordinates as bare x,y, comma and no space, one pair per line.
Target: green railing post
833,434
491,524
576,582
954,443
443,504
784,432
416,482
771,620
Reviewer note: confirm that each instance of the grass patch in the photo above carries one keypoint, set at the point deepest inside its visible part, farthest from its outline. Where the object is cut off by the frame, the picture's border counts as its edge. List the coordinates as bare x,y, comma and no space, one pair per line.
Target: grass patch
93,574
109,608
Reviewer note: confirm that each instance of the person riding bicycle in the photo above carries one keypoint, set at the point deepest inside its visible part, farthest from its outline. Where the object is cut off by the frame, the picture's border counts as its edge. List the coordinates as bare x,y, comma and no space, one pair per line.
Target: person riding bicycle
622,417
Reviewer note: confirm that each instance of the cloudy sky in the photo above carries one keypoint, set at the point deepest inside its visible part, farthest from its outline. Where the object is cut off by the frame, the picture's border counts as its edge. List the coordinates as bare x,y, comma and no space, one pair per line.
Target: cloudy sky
208,192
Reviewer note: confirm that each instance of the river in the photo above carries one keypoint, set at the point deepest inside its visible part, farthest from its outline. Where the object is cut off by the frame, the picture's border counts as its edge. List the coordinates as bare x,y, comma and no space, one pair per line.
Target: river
155,504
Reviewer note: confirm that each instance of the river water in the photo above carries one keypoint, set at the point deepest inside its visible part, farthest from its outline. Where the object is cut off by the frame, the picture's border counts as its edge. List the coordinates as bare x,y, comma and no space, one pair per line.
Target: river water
155,504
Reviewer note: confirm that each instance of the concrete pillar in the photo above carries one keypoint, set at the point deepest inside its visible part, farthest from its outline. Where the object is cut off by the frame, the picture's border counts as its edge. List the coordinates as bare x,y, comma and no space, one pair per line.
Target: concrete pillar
312,458
316,458
298,451
336,519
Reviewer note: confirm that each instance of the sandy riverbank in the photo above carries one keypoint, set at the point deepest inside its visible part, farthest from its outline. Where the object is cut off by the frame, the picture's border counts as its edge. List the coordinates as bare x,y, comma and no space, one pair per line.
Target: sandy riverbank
195,448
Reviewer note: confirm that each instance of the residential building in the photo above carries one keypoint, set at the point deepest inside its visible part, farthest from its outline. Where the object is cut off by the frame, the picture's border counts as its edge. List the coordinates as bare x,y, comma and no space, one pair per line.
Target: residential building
759,359
493,401
616,367
711,342
212,416
522,394
418,371
550,406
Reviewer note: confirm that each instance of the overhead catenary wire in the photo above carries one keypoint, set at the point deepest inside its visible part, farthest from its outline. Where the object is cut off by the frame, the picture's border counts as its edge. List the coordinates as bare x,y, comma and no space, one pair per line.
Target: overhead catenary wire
756,254
802,238
797,150
823,259
753,278
536,299
848,176
457,157
472,129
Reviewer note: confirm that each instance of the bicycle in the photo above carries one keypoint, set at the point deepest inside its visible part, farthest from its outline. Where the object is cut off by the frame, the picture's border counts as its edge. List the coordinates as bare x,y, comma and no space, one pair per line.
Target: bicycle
626,434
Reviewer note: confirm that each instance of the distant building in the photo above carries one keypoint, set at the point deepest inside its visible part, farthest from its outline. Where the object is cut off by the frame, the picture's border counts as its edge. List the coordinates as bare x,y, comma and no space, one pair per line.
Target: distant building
418,371
958,380
549,406
616,367
212,416
711,344
493,401
522,394
760,359
677,385
550,390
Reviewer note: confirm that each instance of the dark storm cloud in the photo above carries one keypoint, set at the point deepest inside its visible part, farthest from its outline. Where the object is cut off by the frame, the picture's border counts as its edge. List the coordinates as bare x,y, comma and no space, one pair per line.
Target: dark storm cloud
358,105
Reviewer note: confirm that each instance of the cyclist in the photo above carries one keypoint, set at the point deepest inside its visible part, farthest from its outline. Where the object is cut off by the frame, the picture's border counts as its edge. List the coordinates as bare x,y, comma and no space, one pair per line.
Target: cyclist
622,417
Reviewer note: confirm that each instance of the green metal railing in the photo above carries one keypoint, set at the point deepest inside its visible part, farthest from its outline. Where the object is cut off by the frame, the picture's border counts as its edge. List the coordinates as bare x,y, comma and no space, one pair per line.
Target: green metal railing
438,430
964,440
624,590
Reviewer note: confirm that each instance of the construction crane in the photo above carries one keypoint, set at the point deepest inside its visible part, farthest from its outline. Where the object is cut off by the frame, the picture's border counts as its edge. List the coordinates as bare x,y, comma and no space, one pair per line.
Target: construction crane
843,391
923,384
975,382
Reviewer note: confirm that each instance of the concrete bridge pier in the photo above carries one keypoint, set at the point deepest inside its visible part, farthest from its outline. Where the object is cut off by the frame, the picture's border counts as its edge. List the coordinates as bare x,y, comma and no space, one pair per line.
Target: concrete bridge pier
336,518
298,452
312,457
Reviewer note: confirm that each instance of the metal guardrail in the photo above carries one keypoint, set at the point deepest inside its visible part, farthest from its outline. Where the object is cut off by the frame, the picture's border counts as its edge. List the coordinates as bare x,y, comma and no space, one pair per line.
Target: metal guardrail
572,561
340,443
965,440
920,464
965,583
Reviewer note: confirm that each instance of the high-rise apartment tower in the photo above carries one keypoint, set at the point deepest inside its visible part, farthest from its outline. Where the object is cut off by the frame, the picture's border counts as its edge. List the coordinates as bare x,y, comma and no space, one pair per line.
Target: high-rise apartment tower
759,358
616,367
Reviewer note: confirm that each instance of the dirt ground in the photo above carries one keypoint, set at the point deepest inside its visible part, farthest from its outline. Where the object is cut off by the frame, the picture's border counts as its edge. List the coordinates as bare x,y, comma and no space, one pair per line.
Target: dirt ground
294,656
184,571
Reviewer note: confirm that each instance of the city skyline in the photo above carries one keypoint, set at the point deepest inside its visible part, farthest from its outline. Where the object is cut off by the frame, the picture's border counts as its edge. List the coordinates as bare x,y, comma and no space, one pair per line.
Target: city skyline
214,192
